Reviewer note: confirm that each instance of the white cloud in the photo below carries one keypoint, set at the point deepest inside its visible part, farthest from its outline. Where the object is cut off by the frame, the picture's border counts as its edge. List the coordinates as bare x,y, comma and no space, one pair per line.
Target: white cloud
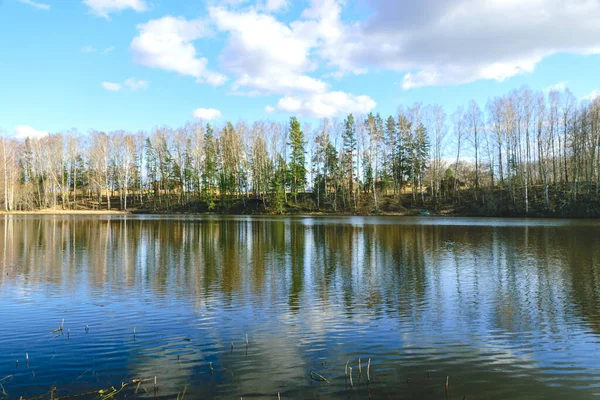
324,104
441,42
265,54
26,131
35,4
558,87
103,8
275,5
166,44
595,94
271,57
92,49
135,84
207,114
111,86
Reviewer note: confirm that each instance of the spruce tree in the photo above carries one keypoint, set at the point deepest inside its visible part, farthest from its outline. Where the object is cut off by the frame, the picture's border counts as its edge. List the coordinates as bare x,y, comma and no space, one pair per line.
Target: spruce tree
210,167
349,150
297,157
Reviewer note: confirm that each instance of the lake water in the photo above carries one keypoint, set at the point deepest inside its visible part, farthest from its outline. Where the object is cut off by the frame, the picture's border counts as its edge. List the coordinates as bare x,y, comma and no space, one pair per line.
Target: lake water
503,308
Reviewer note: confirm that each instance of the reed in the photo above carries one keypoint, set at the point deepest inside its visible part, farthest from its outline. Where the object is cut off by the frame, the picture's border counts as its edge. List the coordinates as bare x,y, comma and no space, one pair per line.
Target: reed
369,370
318,377
359,368
447,381
138,383
210,367
183,393
346,369
351,384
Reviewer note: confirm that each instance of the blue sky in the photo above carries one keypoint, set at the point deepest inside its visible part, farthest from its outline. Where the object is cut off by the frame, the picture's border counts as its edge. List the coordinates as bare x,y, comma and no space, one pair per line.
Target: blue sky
137,64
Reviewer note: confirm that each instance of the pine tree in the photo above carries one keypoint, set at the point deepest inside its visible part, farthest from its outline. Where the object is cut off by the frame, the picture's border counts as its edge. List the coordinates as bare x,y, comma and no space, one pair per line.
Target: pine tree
349,150
210,167
297,157
404,146
277,202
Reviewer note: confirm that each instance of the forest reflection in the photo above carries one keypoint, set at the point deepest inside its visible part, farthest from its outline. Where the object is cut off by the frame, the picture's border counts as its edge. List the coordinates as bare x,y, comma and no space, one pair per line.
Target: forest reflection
513,278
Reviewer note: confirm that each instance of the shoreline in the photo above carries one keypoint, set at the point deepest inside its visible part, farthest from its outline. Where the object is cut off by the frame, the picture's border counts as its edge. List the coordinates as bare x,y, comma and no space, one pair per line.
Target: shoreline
134,212
66,212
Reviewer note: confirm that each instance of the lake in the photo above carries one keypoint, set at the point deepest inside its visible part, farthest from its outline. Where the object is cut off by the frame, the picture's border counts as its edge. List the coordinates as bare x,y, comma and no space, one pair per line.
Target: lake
503,308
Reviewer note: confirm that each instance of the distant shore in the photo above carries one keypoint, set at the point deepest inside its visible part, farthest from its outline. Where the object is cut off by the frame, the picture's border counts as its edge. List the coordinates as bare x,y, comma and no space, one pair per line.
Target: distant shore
66,212
302,213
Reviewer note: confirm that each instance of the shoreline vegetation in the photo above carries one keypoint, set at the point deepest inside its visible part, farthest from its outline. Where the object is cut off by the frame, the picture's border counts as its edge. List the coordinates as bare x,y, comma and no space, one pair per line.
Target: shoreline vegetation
399,206
525,154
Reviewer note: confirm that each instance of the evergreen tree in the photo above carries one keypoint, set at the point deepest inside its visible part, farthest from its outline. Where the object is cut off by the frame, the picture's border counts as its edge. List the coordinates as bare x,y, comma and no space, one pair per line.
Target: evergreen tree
277,200
278,186
297,157
404,146
210,167
349,150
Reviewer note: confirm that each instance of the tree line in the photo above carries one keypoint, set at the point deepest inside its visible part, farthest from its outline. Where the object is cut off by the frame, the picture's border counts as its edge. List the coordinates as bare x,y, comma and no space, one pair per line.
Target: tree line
522,153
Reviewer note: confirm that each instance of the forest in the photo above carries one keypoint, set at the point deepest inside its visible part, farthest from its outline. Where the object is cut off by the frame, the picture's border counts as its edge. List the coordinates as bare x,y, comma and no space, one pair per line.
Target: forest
522,154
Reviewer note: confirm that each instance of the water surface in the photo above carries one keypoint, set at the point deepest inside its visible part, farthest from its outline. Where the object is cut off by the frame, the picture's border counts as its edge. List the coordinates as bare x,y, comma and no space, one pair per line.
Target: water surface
504,308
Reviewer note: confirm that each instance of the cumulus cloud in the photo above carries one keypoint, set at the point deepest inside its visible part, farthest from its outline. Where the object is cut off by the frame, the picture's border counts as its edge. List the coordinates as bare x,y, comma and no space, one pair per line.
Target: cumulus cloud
207,114
326,104
593,95
275,5
167,43
559,87
111,86
26,131
427,42
268,56
440,42
135,84
103,8
265,54
35,4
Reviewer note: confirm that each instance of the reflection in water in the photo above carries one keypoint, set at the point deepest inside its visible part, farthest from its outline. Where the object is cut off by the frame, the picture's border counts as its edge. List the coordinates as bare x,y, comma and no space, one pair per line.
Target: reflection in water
506,309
